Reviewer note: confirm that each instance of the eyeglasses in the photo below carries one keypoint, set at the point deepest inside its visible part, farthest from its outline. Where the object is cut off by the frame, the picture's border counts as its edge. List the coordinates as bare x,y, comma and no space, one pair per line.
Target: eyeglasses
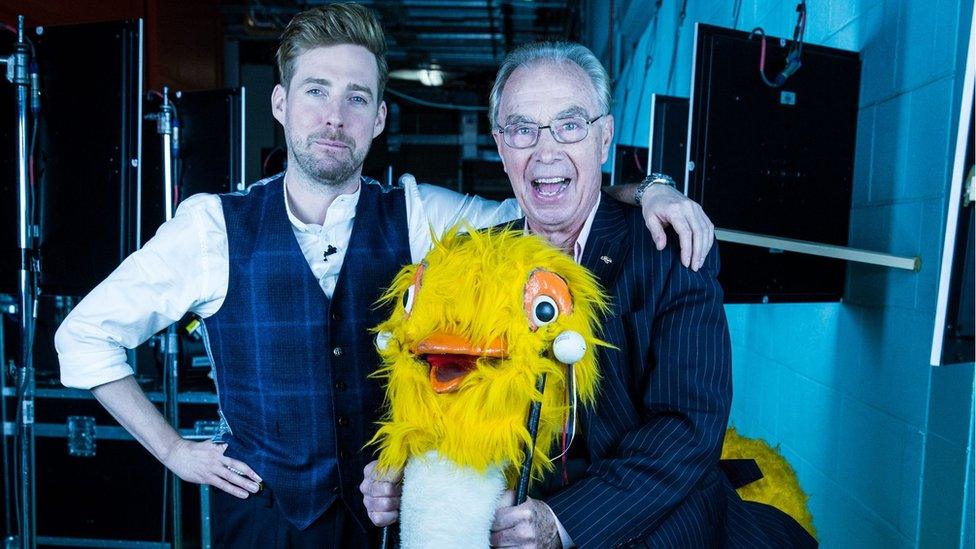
572,129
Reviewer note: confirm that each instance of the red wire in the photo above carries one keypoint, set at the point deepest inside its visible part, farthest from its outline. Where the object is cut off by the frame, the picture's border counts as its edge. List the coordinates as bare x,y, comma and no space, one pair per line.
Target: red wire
762,56
563,459
563,445
640,168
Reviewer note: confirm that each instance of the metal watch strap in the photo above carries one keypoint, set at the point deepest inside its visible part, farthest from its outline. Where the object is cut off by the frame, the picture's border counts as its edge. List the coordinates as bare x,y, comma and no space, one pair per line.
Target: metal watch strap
653,179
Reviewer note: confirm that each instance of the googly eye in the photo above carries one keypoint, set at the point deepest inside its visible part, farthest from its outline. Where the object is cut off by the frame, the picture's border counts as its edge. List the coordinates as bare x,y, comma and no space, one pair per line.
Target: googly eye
408,298
383,340
544,310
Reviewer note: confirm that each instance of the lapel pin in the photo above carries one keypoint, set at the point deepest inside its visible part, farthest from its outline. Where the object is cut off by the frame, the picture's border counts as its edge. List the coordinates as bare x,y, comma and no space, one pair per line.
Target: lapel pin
606,259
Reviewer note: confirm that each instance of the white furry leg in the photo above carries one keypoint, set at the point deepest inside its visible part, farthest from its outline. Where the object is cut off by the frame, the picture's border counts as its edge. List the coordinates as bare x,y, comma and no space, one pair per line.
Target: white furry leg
445,506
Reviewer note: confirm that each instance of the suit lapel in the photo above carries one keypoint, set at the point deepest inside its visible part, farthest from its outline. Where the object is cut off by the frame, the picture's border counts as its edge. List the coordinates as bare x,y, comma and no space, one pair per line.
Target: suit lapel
608,244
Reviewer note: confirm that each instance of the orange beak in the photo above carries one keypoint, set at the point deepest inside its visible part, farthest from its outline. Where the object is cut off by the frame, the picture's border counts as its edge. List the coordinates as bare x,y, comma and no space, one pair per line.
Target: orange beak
452,357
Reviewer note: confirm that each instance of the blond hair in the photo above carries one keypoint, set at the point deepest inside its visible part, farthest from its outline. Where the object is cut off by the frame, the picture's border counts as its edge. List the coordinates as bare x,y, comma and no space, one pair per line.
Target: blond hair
331,25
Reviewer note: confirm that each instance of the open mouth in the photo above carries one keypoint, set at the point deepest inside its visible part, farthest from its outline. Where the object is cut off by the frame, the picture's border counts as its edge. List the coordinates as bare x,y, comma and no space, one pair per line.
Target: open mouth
550,186
451,358
448,371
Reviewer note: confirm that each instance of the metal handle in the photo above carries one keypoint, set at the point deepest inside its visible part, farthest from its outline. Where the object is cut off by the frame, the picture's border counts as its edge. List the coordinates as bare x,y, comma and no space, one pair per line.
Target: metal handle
522,490
819,249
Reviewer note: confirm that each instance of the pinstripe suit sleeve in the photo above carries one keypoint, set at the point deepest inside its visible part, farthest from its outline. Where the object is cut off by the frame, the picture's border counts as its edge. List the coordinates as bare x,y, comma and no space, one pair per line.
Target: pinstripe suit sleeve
665,434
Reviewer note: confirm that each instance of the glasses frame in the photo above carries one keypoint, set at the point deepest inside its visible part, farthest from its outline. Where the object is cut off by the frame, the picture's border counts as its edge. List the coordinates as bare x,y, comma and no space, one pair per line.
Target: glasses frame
589,122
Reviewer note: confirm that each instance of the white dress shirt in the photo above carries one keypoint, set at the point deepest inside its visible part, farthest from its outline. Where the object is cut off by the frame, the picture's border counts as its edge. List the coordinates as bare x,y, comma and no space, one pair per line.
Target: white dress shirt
184,268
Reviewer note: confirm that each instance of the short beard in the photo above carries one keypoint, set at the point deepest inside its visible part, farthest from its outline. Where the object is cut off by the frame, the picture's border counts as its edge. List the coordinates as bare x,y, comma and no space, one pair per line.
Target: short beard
334,173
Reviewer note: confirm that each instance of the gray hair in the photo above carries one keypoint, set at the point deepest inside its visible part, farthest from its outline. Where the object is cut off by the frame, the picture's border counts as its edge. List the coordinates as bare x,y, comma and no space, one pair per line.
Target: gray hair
554,52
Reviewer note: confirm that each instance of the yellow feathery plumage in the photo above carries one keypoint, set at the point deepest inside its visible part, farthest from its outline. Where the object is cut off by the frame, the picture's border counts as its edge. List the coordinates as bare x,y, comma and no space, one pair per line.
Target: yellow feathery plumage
779,486
473,285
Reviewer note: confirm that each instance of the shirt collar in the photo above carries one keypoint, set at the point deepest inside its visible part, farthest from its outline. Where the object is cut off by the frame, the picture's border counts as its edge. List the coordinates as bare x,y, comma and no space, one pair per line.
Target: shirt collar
585,231
341,202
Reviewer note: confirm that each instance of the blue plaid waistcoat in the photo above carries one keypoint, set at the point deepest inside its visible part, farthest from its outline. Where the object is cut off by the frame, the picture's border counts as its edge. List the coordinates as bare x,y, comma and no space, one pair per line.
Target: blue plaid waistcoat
291,366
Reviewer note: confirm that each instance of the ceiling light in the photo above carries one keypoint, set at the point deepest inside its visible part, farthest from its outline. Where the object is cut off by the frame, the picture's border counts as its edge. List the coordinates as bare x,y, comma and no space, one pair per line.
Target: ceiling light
431,77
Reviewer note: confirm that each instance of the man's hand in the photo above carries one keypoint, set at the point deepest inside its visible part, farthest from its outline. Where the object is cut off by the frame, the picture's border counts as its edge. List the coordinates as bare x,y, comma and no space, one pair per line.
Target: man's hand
531,524
381,495
205,463
663,206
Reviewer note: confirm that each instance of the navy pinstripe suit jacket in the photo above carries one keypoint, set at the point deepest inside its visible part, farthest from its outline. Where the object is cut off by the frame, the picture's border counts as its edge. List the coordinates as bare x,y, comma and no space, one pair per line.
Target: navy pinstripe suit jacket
654,437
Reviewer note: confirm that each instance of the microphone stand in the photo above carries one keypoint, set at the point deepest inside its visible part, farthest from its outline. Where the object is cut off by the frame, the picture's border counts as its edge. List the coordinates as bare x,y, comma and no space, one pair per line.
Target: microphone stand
164,127
19,75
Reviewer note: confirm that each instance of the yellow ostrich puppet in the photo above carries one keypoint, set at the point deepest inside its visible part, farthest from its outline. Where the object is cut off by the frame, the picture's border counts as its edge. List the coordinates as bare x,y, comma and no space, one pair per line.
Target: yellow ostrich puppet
480,321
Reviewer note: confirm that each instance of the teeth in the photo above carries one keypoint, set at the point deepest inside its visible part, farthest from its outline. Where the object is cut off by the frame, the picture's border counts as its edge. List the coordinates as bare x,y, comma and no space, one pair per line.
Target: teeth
553,192
543,185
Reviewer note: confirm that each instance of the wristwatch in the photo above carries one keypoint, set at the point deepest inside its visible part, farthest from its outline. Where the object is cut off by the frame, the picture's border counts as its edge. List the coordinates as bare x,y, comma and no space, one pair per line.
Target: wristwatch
653,179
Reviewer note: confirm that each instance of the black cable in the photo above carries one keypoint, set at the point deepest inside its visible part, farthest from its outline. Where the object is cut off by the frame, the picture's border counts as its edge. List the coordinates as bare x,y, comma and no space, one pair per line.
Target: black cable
799,30
16,476
648,61
793,53
677,39
736,10
162,535
7,520
32,202
19,412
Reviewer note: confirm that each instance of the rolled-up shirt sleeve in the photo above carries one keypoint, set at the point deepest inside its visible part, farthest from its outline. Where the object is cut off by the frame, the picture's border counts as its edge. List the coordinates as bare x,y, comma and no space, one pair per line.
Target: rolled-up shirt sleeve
181,269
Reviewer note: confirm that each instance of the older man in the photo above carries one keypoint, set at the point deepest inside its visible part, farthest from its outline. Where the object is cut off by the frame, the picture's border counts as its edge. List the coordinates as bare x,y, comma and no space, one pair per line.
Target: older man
645,470
653,440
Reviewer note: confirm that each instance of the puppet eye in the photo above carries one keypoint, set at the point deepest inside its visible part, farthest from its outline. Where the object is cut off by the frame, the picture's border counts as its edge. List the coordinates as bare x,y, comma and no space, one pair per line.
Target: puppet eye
408,298
544,310
546,297
411,294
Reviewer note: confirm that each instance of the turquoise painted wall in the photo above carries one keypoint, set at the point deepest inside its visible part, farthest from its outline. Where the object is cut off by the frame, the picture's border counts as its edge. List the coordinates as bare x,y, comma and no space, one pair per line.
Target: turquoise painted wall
882,441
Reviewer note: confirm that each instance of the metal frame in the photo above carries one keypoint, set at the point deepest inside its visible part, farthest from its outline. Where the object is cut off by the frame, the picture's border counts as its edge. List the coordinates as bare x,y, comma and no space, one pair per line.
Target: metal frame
242,184
137,161
89,542
650,132
955,196
110,432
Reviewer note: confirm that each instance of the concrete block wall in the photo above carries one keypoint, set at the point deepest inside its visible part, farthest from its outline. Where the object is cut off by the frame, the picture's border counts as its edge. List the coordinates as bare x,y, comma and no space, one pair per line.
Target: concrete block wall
882,441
